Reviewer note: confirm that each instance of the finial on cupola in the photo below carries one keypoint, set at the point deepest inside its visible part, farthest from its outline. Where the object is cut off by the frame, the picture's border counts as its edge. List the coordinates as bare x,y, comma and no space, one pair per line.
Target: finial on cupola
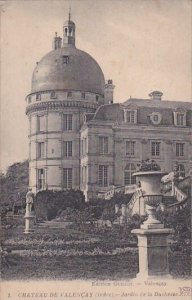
69,13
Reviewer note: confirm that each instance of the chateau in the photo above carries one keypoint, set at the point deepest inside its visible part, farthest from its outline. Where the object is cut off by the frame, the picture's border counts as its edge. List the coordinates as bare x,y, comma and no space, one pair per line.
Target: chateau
80,139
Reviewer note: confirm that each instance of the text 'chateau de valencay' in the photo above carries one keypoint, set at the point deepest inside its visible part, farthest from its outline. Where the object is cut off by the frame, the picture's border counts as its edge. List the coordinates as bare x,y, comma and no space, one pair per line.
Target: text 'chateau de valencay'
80,139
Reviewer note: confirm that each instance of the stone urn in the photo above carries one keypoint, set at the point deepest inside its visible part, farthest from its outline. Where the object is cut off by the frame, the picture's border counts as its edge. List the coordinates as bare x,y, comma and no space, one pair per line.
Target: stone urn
150,183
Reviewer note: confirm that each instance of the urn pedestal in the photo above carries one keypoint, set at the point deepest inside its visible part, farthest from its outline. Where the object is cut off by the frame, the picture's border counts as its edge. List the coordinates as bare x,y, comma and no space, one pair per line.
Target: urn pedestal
152,236
153,253
29,222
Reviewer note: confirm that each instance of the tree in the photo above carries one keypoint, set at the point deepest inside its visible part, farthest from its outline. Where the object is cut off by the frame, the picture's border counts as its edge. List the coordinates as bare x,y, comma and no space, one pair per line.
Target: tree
14,183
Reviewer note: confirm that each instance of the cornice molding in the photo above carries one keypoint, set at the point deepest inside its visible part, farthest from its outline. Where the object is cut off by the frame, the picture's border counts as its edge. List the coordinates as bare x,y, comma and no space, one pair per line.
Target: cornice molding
57,105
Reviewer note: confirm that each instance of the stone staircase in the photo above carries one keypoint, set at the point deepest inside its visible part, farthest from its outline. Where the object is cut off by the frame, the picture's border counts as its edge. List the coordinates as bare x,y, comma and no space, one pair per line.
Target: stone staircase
174,199
107,195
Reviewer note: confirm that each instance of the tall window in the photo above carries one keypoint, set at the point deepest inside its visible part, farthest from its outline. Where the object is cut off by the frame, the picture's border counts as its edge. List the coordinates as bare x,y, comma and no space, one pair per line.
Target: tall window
130,148
155,148
103,175
128,174
67,122
67,178
40,123
40,149
179,149
130,116
181,170
40,179
67,149
103,145
180,119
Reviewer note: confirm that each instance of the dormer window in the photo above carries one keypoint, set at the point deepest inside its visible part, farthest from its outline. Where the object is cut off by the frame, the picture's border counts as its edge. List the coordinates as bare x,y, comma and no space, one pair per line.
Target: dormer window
83,95
38,97
130,116
53,95
65,59
69,95
97,98
180,118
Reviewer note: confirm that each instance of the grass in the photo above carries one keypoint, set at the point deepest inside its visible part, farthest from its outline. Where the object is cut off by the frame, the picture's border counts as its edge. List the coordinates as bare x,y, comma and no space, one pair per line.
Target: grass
99,257
97,267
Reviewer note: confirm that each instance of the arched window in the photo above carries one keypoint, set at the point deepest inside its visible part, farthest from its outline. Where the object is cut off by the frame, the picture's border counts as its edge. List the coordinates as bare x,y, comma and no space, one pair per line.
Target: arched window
181,170
128,174
65,31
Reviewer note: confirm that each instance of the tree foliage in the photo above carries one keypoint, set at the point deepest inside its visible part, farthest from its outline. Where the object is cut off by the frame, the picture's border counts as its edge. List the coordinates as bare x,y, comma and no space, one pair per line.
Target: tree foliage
14,184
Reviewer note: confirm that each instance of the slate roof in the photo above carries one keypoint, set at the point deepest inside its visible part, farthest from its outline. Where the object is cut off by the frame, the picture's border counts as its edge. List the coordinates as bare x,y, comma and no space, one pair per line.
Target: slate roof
81,73
114,112
159,104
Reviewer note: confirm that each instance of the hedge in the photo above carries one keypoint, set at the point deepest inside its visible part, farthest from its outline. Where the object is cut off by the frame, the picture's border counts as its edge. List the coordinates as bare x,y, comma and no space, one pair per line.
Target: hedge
47,204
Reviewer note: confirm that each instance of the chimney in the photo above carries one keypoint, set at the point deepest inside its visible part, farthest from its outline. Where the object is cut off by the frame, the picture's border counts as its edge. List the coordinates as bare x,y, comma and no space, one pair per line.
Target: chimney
108,92
156,95
57,40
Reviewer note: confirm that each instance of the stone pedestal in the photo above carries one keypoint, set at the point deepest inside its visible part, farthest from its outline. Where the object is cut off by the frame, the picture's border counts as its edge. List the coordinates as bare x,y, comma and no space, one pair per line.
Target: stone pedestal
29,222
153,252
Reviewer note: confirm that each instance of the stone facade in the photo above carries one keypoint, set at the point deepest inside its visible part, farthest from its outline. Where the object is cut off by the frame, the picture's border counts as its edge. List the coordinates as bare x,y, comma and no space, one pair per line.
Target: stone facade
135,130
79,139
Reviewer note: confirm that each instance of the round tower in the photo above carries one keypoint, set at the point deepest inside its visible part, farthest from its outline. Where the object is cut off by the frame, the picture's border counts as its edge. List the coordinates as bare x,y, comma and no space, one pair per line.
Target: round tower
67,83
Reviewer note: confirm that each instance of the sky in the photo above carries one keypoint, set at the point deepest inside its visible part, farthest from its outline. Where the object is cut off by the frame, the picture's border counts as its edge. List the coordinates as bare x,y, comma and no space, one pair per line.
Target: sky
143,45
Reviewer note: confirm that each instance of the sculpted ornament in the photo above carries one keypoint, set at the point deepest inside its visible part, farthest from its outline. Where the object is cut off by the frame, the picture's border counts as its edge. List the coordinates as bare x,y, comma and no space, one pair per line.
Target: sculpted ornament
156,118
29,200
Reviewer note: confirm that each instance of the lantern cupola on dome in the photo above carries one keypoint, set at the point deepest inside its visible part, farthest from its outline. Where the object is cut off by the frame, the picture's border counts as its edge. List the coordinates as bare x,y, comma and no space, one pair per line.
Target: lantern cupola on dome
69,32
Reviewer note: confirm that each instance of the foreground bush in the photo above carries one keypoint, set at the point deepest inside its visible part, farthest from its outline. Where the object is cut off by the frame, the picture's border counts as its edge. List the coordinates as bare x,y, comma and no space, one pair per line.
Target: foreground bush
48,204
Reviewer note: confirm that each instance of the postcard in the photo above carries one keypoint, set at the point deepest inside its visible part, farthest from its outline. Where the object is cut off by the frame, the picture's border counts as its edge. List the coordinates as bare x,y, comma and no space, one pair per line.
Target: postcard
96,149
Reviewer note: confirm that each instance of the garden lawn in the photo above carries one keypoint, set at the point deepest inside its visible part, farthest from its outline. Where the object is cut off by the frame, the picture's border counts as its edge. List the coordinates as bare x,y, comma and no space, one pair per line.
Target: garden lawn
86,255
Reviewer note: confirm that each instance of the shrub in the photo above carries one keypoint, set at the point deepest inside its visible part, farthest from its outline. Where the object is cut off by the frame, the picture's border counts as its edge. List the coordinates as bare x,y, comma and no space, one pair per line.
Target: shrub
48,204
180,222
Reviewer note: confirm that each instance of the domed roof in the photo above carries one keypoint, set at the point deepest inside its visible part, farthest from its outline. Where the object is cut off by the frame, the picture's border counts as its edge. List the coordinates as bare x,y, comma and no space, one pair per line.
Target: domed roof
68,68
69,22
